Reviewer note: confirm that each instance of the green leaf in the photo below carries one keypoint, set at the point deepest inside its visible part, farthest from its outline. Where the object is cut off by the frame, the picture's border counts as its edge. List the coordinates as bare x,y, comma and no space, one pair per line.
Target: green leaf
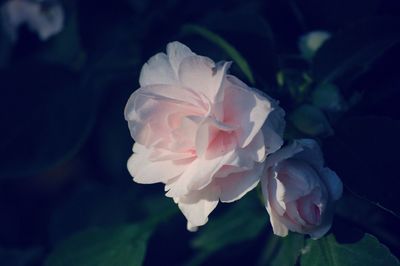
354,49
328,252
98,205
311,121
92,204
363,150
327,97
242,222
282,250
119,246
224,45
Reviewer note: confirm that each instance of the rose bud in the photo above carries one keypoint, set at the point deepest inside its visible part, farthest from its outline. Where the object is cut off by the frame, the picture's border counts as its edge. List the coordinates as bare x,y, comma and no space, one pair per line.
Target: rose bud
299,191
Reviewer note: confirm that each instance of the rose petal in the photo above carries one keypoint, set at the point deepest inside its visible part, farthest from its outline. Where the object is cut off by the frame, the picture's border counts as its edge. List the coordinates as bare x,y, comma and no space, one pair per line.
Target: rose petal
279,228
273,129
269,187
246,109
311,153
235,186
145,171
203,76
308,210
157,70
283,154
190,227
176,52
298,179
149,114
332,182
293,213
198,205
198,175
214,138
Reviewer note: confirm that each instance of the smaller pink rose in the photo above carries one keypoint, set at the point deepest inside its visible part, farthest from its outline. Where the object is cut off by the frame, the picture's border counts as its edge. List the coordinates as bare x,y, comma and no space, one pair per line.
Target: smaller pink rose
299,191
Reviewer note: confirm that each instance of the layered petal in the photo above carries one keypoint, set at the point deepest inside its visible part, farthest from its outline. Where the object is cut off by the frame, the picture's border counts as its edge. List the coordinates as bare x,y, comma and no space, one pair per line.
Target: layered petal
158,70
198,205
333,183
299,191
236,185
296,179
244,107
200,174
176,52
204,77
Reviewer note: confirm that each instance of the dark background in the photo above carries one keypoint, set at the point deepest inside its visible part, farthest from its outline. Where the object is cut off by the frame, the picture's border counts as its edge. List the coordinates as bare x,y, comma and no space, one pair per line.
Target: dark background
64,142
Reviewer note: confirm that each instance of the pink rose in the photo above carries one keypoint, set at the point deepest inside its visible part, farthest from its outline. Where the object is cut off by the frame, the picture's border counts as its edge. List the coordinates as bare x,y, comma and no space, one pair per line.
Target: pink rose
200,131
299,191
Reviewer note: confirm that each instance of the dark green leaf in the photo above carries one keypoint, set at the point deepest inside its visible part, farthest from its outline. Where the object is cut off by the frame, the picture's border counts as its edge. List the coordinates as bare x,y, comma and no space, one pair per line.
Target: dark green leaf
327,97
327,252
354,49
93,204
280,251
119,246
242,222
310,120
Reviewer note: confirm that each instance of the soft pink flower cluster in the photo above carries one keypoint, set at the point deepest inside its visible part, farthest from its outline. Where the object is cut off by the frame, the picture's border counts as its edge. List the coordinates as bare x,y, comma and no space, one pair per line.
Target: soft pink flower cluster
209,137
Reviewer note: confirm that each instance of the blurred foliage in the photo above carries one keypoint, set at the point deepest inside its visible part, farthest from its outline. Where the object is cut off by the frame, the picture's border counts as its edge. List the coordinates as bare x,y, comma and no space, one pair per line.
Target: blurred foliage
124,245
282,251
66,197
326,251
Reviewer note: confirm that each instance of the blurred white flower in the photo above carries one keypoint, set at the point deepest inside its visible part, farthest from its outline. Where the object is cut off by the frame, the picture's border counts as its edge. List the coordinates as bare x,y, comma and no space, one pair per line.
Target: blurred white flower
311,42
46,18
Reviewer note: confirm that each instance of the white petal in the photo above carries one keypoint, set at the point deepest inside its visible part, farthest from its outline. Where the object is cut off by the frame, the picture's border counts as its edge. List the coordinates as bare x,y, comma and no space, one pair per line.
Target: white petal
198,175
235,186
176,52
273,129
333,183
190,227
256,149
207,141
269,186
198,205
311,153
325,225
293,213
284,153
149,111
298,179
279,228
246,109
145,171
202,75
157,70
